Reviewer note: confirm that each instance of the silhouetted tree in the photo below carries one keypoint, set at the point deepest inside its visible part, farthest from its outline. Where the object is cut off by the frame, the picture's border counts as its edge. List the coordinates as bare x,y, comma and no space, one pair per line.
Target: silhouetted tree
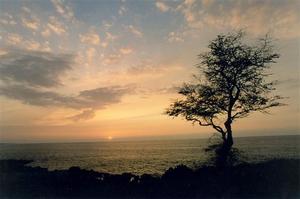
233,83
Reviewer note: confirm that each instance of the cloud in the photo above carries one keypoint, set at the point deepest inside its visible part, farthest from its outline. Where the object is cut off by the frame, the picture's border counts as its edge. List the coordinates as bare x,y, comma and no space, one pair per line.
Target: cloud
34,68
26,9
145,67
90,38
107,25
32,45
86,100
30,77
37,97
175,37
112,59
162,6
97,98
55,26
108,39
126,51
7,19
116,57
281,18
102,96
3,52
135,31
63,9
90,54
14,39
29,20
206,3
30,23
46,32
84,115
160,91
122,10
36,46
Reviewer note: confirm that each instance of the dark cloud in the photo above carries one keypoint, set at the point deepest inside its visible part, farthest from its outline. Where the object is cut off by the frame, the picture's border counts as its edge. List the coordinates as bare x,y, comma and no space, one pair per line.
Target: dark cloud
105,95
88,99
84,115
26,74
34,68
36,97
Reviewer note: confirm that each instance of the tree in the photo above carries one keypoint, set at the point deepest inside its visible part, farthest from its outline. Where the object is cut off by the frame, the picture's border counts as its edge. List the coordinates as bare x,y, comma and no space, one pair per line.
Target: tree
232,85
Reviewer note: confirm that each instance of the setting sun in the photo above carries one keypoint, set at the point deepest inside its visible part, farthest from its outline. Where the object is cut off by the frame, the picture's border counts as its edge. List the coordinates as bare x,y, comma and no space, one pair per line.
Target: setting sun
109,138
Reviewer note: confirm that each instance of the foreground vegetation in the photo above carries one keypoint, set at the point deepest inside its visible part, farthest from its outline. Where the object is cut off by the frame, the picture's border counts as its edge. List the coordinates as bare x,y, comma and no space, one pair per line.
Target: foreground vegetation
272,179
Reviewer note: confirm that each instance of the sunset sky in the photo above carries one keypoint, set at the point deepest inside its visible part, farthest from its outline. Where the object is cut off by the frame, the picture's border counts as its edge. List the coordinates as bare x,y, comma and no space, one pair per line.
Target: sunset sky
89,70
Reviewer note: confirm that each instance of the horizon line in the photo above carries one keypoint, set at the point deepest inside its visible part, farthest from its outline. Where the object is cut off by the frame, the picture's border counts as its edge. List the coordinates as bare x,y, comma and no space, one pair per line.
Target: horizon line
142,139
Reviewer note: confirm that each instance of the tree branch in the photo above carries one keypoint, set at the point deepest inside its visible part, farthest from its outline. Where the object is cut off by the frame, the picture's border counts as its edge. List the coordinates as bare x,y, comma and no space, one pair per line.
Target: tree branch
197,120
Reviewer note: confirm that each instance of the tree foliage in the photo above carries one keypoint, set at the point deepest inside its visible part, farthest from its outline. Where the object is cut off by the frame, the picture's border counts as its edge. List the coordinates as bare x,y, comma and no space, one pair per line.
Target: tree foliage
233,84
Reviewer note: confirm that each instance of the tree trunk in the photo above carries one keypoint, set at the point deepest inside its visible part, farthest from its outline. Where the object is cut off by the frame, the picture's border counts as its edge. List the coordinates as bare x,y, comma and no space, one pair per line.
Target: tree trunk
223,154
229,139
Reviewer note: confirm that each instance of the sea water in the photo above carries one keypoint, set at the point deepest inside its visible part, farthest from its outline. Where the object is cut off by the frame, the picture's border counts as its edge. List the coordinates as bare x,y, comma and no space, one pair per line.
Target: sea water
140,157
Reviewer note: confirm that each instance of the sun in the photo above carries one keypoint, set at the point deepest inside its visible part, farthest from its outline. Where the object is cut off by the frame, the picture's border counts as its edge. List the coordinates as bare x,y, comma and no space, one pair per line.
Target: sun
109,138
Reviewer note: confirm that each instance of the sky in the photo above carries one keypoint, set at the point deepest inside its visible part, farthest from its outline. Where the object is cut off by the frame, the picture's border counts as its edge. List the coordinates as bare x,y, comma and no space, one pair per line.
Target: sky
93,70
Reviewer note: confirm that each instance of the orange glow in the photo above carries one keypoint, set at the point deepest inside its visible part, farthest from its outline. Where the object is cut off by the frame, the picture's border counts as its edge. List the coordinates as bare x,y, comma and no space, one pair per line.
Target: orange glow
112,76
109,138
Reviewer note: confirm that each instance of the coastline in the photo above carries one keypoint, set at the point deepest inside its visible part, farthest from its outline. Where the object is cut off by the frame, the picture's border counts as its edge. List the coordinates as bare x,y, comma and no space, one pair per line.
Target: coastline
278,178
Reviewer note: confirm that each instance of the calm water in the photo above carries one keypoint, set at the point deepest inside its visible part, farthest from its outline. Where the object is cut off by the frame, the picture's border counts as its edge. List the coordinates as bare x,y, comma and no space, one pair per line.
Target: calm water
144,156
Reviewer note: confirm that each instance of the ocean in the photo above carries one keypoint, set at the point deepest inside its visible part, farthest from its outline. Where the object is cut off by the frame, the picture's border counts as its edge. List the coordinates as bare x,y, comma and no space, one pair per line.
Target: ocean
139,157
